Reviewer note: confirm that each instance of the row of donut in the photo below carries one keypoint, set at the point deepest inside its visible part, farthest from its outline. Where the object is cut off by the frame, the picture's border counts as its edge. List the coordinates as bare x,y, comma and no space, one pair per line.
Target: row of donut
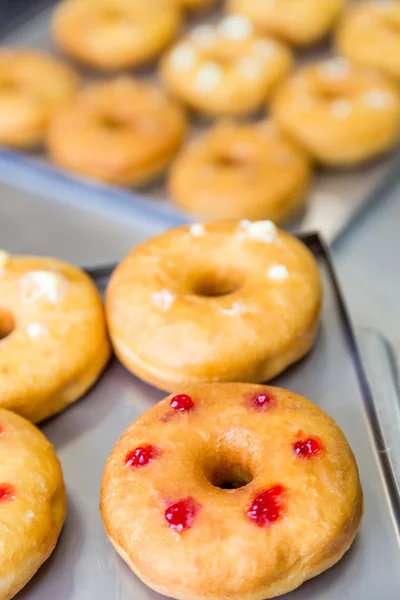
188,307
121,34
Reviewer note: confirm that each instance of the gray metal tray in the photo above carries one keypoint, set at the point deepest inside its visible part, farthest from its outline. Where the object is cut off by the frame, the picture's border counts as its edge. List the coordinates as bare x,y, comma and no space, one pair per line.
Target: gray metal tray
84,566
335,198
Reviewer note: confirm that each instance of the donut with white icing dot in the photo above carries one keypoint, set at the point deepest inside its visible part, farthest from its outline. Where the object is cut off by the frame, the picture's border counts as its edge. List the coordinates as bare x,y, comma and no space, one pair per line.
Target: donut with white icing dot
33,87
53,339
225,69
236,301
115,34
341,112
231,491
32,501
300,23
369,34
241,171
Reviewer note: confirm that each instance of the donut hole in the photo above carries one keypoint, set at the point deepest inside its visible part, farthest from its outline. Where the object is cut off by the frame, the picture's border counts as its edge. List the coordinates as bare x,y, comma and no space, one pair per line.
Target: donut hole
7,323
228,472
111,123
214,283
229,161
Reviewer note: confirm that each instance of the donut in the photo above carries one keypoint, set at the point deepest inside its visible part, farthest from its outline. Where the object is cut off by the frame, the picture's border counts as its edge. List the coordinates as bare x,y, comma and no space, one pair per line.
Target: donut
340,112
196,5
53,340
192,305
33,86
115,34
225,69
300,23
369,34
32,501
120,131
241,171
231,491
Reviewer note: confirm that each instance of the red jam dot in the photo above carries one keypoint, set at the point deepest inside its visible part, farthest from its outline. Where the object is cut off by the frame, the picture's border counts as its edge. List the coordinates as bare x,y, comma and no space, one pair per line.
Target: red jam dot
180,516
141,456
7,492
182,403
308,448
269,506
262,400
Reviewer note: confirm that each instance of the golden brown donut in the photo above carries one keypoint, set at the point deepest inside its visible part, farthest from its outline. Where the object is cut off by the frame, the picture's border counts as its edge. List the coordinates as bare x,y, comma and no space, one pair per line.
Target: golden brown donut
115,34
343,114
33,86
231,491
301,23
241,171
121,131
53,339
32,501
192,305
369,34
196,5
225,69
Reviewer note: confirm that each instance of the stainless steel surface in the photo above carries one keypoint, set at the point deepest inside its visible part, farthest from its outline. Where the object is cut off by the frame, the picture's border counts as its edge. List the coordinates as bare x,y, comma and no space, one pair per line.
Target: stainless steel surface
84,565
334,199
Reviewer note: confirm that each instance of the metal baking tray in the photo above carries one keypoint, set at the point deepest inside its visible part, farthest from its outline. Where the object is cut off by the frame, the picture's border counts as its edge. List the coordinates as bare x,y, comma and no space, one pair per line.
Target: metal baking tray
84,566
335,198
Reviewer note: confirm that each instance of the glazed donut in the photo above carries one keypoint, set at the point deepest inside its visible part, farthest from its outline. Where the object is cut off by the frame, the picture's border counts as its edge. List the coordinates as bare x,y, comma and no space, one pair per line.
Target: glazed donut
196,5
120,131
225,69
231,491
32,87
343,114
32,501
241,171
301,23
53,340
115,34
193,304
369,34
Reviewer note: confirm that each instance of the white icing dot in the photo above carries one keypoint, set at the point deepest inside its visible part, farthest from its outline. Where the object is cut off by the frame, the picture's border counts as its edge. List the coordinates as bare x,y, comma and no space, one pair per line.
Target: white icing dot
182,57
203,35
209,77
265,49
163,299
4,257
197,230
41,284
278,272
264,231
36,330
30,514
250,67
377,99
335,68
236,27
341,109
236,310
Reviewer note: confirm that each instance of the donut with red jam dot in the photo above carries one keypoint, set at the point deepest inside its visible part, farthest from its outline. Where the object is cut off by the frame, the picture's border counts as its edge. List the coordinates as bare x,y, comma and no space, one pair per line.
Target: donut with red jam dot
7,492
269,506
141,456
308,448
182,403
180,515
262,400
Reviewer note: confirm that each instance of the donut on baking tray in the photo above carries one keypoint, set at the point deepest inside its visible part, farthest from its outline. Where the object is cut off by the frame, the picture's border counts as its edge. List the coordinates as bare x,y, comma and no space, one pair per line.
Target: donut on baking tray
369,34
301,23
115,34
225,69
241,171
235,301
121,131
32,501
33,86
342,113
53,339
231,491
